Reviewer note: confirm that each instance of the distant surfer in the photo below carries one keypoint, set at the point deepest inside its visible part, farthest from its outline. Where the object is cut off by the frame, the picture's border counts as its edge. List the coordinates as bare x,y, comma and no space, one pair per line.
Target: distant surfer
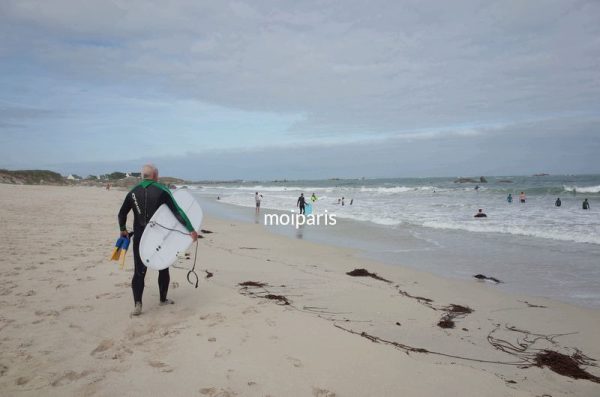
476,187
509,198
342,201
586,204
351,201
522,198
558,203
480,214
301,203
257,199
313,198
144,199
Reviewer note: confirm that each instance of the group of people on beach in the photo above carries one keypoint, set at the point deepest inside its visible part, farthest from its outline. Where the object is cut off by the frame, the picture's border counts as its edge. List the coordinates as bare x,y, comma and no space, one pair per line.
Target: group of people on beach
300,203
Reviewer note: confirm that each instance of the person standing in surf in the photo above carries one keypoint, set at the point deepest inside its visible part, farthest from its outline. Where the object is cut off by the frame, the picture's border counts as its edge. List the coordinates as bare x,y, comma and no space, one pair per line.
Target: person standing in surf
257,198
301,203
145,198
586,204
522,197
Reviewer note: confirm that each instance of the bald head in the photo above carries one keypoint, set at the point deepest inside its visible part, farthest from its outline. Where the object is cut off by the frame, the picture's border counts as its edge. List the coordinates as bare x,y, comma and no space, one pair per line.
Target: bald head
149,171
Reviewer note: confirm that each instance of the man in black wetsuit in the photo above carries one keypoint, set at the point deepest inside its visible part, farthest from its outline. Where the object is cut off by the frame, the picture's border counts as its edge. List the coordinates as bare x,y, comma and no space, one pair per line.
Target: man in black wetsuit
144,199
480,214
586,204
301,202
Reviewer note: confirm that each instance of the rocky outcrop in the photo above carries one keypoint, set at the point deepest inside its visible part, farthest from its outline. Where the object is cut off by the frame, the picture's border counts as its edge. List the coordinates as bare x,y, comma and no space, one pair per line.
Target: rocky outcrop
465,180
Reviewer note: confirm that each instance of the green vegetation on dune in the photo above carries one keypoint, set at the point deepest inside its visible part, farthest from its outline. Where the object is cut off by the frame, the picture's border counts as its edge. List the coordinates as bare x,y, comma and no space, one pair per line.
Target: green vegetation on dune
31,177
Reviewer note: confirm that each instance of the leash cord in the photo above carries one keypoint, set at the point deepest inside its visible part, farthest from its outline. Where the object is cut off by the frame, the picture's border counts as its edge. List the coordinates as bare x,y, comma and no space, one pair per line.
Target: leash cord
192,270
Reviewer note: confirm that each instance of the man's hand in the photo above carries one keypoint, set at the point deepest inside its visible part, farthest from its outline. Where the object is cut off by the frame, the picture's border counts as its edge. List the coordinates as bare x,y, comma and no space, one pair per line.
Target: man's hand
124,233
194,235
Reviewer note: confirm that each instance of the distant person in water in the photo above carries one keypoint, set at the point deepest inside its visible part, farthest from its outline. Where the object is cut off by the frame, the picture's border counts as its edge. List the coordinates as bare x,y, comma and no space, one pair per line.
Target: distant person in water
339,201
218,197
509,198
342,201
301,203
480,214
586,204
257,199
351,201
313,198
558,203
477,187
522,197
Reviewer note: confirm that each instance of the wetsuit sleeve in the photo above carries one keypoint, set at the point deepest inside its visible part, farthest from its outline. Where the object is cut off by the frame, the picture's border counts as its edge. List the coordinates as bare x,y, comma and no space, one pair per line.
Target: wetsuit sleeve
125,208
167,198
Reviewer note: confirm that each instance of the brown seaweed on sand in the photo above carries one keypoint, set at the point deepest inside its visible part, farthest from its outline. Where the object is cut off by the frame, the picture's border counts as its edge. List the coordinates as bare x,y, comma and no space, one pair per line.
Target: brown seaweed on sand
484,277
565,365
253,284
525,355
279,298
452,312
248,288
366,273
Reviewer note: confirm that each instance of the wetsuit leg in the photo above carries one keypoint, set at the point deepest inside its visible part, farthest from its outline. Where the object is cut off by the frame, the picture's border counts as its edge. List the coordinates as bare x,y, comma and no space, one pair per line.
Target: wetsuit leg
302,208
163,283
137,282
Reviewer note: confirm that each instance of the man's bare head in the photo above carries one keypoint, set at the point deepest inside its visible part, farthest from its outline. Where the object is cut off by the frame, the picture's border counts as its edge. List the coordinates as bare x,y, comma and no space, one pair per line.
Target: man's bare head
149,171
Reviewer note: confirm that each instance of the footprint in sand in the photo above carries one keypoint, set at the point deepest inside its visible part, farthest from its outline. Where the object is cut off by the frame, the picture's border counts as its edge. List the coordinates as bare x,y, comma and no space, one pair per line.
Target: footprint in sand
250,310
26,383
270,322
317,392
108,295
68,377
295,362
214,392
160,365
103,346
3,369
175,284
213,318
222,352
46,313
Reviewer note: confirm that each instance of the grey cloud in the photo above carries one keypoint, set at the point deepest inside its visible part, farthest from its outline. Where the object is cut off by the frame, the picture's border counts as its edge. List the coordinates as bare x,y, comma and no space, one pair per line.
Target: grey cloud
385,67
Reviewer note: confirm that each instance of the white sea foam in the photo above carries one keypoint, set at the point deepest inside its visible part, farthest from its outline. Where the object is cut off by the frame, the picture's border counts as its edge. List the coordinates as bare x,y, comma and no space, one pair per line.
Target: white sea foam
582,189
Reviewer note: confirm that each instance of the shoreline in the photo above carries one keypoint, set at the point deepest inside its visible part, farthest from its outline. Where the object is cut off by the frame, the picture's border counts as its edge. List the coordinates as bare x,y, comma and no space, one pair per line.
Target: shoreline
453,254
66,330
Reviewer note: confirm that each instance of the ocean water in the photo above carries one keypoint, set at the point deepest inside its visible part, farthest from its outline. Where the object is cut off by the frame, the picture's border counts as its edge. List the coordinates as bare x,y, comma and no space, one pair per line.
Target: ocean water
535,248
442,204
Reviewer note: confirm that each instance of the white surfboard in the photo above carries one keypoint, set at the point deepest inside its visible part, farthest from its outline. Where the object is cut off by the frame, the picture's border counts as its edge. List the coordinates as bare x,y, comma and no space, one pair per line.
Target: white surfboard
159,246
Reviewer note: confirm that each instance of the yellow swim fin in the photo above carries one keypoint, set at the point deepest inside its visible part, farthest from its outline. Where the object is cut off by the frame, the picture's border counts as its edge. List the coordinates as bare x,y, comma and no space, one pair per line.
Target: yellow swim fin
122,259
116,254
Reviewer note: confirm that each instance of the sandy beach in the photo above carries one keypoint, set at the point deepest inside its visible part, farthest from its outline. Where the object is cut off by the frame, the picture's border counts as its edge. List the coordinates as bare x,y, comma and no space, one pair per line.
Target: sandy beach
66,329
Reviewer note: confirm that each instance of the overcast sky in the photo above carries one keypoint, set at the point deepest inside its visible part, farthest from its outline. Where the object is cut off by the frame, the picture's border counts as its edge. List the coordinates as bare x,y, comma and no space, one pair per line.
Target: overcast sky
301,89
